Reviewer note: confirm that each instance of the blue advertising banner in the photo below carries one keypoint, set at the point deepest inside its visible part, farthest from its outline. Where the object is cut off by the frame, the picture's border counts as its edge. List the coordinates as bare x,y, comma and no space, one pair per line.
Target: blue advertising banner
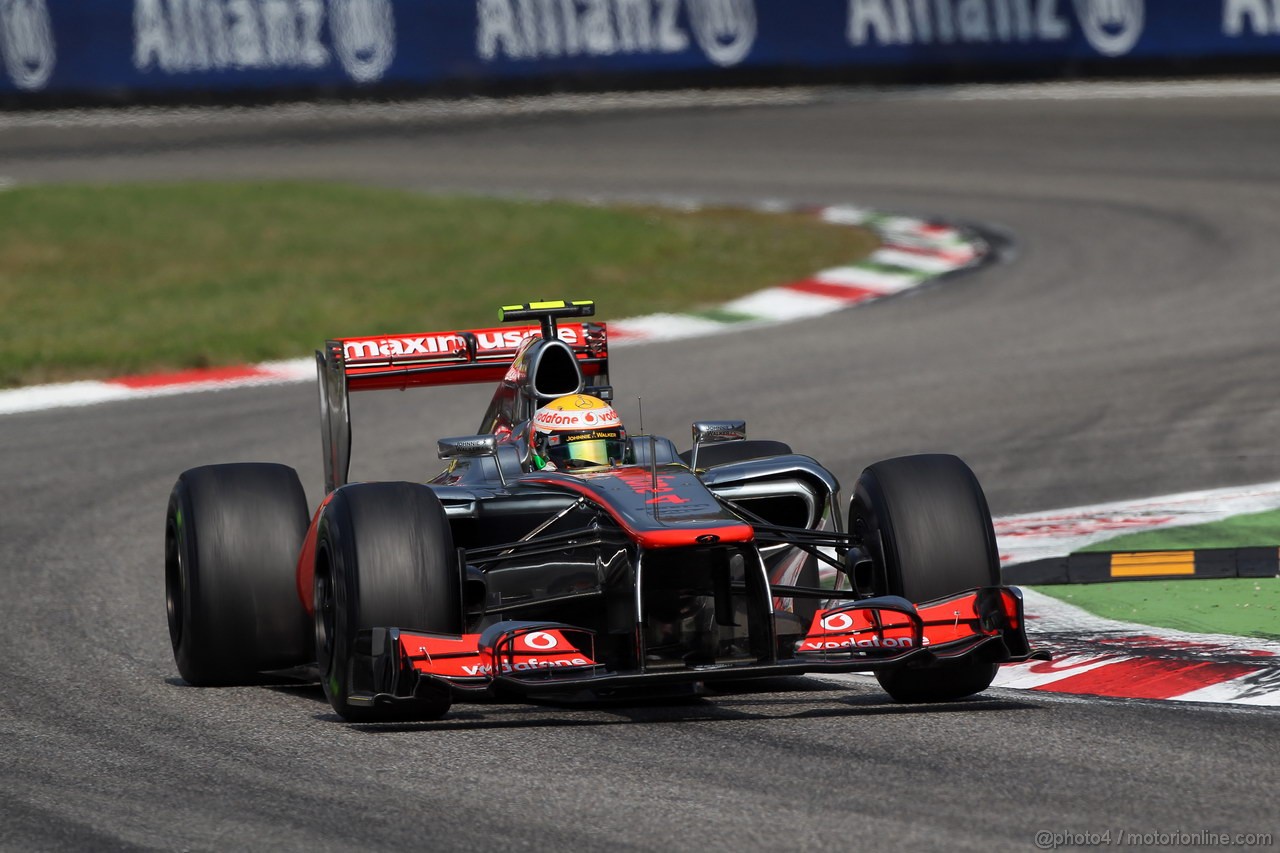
124,48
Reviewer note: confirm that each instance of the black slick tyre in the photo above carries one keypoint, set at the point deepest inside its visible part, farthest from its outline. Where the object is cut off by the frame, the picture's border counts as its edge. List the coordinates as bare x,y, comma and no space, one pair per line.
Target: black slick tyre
925,522
232,537
384,559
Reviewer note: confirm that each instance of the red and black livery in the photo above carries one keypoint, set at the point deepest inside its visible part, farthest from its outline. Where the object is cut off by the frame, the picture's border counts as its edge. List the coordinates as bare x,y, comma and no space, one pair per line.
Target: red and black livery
663,572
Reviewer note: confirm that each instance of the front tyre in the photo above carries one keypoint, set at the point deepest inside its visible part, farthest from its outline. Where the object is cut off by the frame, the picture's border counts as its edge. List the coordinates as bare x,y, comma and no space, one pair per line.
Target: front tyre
384,559
232,537
925,522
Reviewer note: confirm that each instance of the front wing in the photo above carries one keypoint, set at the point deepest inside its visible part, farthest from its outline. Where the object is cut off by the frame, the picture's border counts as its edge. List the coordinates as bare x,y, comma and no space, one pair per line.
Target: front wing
548,658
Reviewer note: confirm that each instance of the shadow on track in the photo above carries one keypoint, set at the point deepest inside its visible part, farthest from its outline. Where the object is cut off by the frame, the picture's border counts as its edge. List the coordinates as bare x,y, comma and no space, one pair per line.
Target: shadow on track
497,715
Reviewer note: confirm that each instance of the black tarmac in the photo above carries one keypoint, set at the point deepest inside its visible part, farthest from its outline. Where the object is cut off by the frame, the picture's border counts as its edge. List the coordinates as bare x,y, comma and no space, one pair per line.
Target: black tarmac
1126,347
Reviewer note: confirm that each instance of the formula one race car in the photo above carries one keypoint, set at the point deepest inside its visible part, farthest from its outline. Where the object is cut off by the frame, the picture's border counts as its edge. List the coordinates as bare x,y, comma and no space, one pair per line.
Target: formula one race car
536,569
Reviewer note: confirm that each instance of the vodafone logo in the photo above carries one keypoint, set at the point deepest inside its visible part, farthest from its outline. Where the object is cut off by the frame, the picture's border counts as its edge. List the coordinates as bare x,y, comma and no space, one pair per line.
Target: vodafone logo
838,622
552,419
541,640
850,635
557,419
850,643
533,664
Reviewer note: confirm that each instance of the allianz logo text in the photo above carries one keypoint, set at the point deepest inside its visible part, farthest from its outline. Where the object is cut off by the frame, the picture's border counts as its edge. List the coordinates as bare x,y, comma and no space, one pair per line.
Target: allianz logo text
1111,27
234,35
725,30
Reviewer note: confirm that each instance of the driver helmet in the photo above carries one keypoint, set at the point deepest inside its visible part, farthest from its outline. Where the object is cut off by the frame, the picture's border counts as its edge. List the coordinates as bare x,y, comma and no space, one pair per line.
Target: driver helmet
577,431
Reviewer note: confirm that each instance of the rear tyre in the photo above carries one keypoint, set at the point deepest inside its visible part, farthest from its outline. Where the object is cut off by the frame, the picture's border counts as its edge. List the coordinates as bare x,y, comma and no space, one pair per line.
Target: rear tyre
232,537
925,522
384,559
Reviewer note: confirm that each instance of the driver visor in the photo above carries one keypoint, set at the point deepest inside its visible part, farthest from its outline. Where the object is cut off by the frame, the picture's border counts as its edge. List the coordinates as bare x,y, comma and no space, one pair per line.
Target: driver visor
596,447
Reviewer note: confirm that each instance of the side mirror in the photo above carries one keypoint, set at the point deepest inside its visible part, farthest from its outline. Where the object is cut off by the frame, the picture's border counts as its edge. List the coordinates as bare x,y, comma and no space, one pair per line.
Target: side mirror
715,432
471,447
467,446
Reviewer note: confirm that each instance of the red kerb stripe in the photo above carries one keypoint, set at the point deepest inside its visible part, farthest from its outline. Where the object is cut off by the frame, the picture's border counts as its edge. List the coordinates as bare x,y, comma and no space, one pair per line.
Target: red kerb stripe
1146,678
189,377
847,292
960,256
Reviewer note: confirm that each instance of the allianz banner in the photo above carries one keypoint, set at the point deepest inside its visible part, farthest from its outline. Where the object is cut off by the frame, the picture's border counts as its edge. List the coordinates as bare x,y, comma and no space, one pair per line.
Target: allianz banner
135,47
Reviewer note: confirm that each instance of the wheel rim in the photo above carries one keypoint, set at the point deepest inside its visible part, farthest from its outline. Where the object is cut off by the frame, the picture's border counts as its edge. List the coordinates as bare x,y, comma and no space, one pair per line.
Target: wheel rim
175,584
324,620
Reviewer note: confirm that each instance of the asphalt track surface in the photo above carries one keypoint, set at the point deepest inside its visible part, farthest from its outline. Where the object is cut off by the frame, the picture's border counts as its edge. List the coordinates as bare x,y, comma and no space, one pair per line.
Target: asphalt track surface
1127,347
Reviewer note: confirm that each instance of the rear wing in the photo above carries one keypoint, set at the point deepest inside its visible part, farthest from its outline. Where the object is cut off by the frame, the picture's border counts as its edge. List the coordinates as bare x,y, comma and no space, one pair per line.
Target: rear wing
374,363
454,358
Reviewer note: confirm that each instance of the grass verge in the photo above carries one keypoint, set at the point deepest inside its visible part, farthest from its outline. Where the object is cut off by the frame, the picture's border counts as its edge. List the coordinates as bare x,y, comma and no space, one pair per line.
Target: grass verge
1255,530
101,281
1245,607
